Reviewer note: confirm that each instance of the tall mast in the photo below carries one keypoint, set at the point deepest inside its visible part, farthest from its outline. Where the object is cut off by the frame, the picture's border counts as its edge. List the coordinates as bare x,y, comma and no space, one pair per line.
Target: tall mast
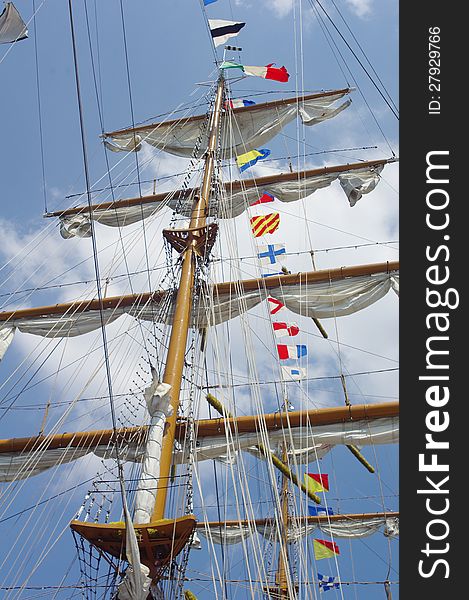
190,243
281,578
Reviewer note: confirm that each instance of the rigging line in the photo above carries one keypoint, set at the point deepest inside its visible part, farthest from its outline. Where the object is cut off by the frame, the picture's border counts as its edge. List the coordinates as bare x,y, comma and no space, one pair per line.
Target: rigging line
391,108
101,122
359,89
217,495
11,46
95,250
105,189
207,25
330,151
15,398
319,377
334,150
364,54
39,107
124,37
145,244
85,586
350,247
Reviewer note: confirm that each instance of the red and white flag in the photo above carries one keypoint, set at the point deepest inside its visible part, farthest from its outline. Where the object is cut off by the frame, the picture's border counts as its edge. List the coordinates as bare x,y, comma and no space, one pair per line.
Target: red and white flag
285,329
274,305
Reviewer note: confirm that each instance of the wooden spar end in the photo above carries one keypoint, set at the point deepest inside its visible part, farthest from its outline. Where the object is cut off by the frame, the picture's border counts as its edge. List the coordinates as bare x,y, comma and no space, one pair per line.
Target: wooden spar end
159,542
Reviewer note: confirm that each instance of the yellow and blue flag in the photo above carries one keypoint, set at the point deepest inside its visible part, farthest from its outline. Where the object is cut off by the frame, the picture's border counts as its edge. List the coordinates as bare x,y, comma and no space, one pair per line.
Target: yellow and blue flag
249,159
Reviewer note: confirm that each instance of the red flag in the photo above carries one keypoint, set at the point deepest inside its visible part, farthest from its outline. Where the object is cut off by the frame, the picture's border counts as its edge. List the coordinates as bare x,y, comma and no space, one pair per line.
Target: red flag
286,329
275,305
264,198
277,74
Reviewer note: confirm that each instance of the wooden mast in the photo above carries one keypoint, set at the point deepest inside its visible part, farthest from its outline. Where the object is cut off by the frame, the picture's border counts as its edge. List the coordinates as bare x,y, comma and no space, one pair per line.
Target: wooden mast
281,578
177,344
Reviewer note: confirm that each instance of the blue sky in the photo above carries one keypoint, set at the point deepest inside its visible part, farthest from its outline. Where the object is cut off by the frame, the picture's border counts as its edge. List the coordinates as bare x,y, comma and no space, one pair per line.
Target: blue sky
170,55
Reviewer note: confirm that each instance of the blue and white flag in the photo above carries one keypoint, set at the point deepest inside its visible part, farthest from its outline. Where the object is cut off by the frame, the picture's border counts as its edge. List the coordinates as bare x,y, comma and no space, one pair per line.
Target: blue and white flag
317,511
268,255
326,582
293,373
209,2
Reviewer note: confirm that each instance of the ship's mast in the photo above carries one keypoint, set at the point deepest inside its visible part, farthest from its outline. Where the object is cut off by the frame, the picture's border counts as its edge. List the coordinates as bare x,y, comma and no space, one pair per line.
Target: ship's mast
190,243
281,578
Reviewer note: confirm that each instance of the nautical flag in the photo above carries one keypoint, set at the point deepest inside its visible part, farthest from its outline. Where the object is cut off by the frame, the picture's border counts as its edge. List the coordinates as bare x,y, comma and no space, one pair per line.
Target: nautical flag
268,254
238,103
274,305
316,482
250,158
263,224
224,30
267,72
325,549
326,582
317,511
263,199
285,351
209,2
293,373
285,329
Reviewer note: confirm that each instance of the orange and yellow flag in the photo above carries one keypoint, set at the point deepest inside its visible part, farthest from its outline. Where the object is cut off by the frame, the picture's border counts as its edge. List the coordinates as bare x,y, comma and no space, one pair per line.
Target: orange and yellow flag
325,549
263,224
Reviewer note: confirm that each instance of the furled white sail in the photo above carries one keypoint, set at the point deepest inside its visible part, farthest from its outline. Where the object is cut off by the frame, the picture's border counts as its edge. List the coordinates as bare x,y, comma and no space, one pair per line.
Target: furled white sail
346,528
312,299
353,529
136,583
157,400
355,183
316,443
242,130
12,26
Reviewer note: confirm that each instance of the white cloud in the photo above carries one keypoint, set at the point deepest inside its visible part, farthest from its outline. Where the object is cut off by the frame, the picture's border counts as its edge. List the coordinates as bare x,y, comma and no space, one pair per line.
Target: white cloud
282,7
362,8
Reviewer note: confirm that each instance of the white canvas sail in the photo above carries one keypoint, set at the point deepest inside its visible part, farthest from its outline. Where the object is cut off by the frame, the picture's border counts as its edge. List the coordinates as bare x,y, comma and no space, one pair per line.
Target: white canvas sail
311,299
246,129
237,197
12,26
319,441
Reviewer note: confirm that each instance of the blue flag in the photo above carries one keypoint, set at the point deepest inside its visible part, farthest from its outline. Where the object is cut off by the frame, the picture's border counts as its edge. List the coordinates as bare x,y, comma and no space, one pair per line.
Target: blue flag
326,582
271,274
317,511
209,2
